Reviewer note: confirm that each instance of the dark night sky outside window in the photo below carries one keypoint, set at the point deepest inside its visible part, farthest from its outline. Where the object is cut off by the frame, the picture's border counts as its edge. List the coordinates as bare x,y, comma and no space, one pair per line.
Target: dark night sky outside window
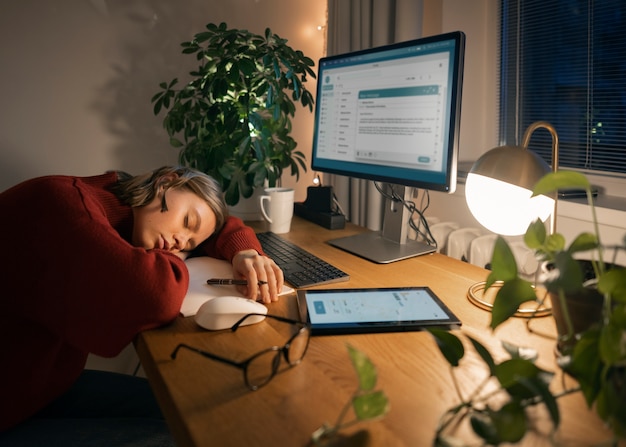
564,61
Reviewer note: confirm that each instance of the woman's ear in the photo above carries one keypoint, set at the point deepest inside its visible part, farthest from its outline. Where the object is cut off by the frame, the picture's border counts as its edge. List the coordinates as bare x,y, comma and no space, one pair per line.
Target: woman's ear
164,181
162,184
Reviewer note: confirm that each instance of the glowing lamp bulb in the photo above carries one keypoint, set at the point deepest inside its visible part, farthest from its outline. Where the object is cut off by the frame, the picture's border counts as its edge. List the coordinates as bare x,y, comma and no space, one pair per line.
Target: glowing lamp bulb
504,208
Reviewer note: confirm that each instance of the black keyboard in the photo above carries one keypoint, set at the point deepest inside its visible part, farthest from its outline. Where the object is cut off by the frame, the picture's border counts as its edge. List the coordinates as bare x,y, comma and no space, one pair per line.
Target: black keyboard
301,268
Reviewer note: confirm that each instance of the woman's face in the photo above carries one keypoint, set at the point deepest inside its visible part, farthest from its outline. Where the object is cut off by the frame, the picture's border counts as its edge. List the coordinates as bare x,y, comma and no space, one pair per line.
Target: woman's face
187,222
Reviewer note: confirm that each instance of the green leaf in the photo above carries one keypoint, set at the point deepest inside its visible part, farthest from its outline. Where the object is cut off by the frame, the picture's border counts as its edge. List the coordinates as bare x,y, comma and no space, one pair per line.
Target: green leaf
523,380
611,403
511,371
175,142
554,181
510,422
503,265
554,243
370,405
611,348
613,282
509,298
484,426
583,242
540,387
233,73
202,37
586,365
157,107
535,235
365,369
247,67
618,317
484,354
449,345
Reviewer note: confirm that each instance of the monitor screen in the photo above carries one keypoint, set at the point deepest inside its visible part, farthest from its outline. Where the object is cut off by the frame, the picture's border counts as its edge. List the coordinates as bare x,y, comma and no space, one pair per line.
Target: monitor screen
391,114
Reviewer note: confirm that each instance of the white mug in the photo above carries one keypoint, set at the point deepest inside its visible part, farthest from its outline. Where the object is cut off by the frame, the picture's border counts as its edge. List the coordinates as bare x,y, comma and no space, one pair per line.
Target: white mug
280,208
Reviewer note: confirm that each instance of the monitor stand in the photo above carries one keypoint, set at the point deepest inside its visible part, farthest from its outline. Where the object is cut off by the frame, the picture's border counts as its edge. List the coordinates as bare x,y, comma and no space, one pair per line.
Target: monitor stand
392,244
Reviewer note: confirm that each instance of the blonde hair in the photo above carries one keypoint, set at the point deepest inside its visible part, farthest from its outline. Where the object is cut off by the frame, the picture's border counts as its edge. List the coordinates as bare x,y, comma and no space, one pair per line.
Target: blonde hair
139,190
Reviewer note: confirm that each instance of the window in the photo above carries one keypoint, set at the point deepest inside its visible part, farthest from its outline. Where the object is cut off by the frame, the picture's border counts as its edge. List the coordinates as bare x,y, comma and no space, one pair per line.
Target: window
563,61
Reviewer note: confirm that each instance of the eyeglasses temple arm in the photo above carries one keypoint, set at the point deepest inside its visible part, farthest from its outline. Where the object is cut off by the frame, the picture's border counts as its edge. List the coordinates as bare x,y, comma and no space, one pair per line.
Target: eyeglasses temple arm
276,317
206,354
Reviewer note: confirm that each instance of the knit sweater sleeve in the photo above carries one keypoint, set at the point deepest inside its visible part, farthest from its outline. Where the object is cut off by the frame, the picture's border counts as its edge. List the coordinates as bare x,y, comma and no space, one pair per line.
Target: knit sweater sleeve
234,237
77,277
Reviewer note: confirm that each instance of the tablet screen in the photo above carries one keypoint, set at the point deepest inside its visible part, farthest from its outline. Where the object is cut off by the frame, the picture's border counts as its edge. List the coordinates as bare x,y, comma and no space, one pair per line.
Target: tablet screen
337,311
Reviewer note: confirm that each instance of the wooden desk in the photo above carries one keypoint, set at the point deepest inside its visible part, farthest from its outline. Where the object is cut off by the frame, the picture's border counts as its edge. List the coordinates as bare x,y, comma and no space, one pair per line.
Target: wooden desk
206,403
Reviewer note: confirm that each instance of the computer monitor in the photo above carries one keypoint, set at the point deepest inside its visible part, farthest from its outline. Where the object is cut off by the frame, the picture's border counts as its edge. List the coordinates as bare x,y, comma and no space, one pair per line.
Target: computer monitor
391,114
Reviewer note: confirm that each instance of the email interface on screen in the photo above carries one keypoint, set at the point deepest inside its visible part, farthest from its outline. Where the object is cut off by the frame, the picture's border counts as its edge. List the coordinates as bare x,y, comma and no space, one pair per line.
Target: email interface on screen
387,113
373,305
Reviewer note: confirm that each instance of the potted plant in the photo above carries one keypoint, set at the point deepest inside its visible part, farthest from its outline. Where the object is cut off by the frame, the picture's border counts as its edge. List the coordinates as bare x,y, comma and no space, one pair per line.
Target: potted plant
232,120
592,352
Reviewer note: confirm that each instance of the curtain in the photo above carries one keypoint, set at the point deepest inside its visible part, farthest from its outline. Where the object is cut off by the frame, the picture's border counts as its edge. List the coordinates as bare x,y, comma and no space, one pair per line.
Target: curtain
357,25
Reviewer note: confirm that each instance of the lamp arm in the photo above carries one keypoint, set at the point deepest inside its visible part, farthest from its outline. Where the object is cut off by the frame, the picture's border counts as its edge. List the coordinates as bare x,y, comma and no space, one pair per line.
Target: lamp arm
555,156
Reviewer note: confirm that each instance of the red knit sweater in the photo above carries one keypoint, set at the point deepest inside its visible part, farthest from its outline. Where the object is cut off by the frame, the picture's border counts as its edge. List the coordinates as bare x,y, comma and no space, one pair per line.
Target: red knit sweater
73,284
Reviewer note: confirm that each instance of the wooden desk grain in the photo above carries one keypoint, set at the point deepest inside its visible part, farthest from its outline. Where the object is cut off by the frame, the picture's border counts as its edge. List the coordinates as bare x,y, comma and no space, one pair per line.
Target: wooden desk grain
206,403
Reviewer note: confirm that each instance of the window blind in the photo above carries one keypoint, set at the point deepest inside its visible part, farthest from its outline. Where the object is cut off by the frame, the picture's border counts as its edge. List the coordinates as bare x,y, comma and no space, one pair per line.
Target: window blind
564,61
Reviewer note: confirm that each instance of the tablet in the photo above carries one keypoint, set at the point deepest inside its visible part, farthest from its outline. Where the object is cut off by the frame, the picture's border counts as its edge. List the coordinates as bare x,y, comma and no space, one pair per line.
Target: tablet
351,311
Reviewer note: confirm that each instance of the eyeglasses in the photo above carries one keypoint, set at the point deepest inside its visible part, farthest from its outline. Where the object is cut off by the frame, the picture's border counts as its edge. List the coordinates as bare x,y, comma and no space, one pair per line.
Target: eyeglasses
259,369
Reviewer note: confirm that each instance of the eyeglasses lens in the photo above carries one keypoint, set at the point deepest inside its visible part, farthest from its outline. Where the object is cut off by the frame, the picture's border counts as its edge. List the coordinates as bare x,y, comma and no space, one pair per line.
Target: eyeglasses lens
264,365
262,368
298,347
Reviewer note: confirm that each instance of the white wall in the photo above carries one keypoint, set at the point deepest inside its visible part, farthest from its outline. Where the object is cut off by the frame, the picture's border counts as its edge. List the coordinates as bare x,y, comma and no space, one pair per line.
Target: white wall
479,123
77,77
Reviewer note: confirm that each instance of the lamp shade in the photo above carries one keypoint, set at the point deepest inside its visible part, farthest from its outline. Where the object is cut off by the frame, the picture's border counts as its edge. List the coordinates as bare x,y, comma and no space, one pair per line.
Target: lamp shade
499,187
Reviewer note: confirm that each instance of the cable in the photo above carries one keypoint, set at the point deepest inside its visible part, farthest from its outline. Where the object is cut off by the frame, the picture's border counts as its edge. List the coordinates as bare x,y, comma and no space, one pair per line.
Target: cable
413,209
317,181
339,208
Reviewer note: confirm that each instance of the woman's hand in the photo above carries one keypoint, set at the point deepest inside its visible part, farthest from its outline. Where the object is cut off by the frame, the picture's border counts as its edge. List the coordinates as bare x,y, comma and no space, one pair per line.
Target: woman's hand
265,278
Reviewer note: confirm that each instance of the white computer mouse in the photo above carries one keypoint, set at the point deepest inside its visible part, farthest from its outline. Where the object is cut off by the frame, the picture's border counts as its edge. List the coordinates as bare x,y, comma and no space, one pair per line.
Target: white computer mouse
222,312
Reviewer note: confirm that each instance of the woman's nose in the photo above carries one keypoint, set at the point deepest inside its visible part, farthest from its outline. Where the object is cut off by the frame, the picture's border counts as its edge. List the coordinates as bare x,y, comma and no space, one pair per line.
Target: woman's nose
181,241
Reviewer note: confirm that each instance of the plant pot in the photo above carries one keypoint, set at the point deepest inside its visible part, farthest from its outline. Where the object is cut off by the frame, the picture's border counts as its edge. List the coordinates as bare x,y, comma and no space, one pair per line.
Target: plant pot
584,309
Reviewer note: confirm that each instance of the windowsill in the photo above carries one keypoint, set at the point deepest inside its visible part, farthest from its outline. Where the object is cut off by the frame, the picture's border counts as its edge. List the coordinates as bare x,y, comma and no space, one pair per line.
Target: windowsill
602,201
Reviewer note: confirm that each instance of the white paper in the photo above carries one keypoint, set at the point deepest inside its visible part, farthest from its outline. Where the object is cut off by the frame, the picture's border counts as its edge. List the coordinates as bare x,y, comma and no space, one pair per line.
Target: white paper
201,269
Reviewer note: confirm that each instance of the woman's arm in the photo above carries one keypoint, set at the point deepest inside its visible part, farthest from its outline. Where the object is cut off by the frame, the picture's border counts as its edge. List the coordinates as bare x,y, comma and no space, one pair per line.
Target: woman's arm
238,244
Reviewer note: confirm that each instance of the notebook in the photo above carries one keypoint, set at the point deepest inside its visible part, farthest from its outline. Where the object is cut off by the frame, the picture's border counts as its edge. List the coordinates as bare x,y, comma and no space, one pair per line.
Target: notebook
201,269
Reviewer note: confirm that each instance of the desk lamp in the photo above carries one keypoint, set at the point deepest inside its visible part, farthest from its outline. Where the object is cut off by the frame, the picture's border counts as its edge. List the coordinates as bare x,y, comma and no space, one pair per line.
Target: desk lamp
498,191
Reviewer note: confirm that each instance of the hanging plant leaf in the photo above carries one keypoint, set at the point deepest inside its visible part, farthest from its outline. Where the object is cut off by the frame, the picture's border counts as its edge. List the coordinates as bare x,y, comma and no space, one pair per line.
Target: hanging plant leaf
370,405
509,298
554,181
450,346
